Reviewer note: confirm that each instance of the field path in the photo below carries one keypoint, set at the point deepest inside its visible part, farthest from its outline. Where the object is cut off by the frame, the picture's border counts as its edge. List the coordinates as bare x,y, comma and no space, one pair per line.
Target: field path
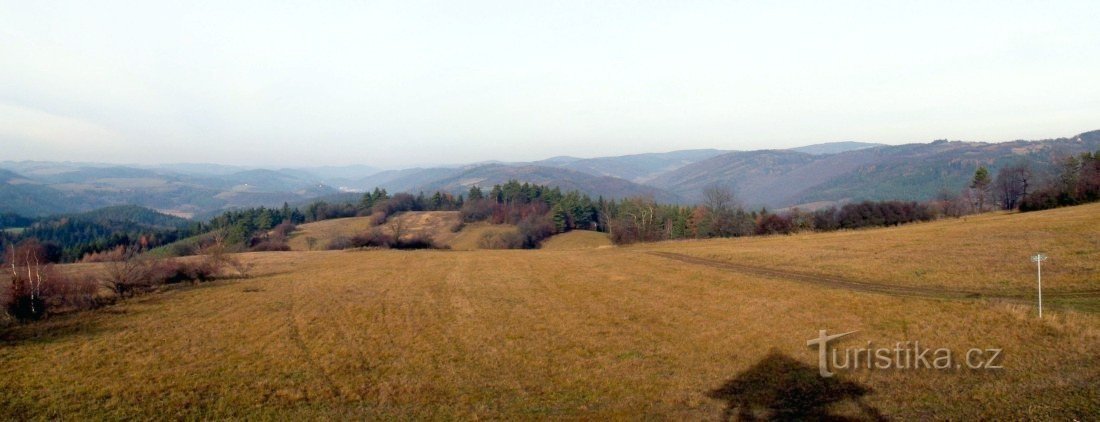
308,355
864,286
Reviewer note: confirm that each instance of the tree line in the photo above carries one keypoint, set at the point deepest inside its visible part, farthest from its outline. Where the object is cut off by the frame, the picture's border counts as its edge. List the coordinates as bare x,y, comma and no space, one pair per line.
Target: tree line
1077,183
69,238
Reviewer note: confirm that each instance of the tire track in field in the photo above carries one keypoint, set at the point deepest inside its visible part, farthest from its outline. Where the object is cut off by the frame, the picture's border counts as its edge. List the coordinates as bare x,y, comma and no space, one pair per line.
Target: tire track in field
864,286
299,342
358,346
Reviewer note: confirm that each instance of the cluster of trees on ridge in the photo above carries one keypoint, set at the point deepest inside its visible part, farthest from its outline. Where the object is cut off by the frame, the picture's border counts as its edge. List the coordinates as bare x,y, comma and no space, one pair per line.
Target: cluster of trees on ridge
72,237
1078,183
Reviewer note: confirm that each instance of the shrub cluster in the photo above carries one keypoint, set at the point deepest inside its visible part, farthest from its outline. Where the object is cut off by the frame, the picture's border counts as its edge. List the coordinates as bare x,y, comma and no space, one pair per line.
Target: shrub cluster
35,288
376,238
529,233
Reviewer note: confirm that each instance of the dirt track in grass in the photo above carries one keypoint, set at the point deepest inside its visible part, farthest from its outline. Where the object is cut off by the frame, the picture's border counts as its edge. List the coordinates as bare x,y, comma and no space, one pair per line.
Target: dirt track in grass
866,286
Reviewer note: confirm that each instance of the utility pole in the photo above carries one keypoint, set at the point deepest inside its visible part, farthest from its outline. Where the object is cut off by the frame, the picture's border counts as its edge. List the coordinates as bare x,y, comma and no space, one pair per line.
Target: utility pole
1038,259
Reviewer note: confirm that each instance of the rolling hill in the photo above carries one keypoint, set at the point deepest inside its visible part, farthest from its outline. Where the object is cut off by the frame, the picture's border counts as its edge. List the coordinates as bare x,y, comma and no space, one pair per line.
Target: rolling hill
492,174
439,225
780,178
58,188
835,147
638,168
818,174
576,239
24,196
130,214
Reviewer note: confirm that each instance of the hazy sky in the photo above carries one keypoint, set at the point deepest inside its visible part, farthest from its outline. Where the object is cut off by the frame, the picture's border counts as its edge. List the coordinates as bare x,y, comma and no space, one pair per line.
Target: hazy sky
399,83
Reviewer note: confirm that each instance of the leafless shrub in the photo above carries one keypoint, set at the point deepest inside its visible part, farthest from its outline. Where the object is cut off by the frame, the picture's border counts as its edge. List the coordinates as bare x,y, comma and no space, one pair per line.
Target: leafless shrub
128,277
270,245
373,238
457,227
501,240
241,267
338,243
283,230
76,292
397,227
477,210
377,218
416,241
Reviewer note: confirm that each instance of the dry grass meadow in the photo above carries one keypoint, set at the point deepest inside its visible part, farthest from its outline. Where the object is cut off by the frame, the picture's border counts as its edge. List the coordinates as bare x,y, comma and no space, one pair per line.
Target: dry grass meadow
585,333
437,224
576,239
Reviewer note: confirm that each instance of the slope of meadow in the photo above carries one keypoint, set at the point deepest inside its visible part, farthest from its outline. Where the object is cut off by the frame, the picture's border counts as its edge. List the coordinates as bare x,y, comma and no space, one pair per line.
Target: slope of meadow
576,239
437,224
323,232
593,333
469,237
988,253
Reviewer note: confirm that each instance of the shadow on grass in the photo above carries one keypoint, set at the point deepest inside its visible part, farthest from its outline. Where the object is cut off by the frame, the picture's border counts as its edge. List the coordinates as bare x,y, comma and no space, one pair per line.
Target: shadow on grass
782,388
61,325
54,328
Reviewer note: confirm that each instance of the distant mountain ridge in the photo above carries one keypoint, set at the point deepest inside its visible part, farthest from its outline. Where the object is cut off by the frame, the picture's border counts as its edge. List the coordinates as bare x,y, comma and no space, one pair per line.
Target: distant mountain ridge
638,168
819,173
781,178
564,178
133,214
835,147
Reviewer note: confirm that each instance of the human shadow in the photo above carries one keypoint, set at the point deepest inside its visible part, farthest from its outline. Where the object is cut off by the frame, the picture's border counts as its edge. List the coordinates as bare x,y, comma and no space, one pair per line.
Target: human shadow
778,387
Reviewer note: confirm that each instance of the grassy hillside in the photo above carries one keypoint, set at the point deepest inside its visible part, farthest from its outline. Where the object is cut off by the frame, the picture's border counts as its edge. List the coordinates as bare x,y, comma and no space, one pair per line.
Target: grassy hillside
604,333
323,232
437,224
576,239
468,238
986,254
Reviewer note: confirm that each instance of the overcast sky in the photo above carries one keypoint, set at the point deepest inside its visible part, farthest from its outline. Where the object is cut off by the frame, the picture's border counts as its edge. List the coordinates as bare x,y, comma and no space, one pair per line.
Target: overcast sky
394,84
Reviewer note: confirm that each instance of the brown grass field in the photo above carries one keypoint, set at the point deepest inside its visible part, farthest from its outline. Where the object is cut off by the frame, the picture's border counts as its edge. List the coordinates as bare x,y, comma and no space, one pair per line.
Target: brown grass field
587,333
437,224
468,238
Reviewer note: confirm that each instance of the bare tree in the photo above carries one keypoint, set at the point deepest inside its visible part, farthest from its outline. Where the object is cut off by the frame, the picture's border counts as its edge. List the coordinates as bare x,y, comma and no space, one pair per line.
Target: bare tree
637,221
721,202
127,276
397,226
215,258
31,275
242,267
1011,185
719,197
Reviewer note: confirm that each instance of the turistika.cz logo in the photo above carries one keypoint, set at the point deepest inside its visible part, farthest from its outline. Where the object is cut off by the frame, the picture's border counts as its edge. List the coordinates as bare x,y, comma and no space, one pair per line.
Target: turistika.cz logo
904,355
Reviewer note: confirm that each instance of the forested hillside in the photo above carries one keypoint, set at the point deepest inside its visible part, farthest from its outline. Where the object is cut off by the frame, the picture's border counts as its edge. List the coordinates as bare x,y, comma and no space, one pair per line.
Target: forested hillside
904,172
